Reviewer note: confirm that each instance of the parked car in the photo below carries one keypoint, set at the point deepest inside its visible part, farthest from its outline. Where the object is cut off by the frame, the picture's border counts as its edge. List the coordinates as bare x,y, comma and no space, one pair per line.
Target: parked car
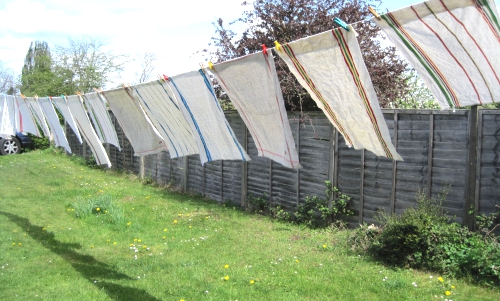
14,144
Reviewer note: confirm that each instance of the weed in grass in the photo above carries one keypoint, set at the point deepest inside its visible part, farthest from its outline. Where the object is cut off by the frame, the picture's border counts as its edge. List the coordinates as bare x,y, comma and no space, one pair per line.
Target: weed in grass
100,205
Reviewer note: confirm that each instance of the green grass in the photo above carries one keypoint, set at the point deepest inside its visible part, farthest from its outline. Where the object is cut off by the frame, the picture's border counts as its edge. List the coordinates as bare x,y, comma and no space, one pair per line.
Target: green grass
145,243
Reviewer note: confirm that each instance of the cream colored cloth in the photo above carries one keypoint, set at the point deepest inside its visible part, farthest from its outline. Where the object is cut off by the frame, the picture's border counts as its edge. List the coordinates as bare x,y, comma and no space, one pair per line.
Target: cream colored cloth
139,131
55,127
160,105
82,120
25,121
214,136
100,117
253,87
38,116
330,67
62,106
454,46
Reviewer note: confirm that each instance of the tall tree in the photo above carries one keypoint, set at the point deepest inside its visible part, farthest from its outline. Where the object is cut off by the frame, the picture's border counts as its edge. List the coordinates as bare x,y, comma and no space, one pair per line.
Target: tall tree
288,20
85,65
37,76
147,67
6,80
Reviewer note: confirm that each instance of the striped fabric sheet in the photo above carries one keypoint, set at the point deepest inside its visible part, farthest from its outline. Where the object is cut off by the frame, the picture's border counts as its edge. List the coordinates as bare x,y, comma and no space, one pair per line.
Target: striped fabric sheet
330,67
62,107
25,121
253,87
82,120
454,46
214,136
7,119
55,127
139,131
38,116
100,117
161,107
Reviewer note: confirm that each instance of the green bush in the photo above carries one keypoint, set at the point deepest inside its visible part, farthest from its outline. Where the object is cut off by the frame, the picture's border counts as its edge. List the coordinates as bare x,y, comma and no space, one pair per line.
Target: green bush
424,238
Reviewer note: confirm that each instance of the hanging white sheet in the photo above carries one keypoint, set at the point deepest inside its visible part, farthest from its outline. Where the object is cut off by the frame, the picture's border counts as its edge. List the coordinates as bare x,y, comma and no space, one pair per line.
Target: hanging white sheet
83,122
161,107
53,120
253,87
62,107
100,117
139,131
25,121
214,136
38,116
8,121
454,46
330,67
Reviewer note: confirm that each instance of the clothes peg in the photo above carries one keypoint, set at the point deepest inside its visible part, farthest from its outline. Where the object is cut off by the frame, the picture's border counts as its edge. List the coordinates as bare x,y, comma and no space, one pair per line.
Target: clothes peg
277,45
264,49
374,13
341,23
210,65
165,78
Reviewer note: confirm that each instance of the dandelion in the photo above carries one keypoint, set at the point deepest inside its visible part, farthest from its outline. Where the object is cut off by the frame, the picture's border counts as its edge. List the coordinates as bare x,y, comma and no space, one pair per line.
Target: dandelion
447,293
20,244
226,278
190,227
97,209
324,246
226,266
165,230
164,237
441,279
296,260
129,223
43,229
114,242
453,287
13,243
175,221
92,246
252,281
133,208
108,240
139,240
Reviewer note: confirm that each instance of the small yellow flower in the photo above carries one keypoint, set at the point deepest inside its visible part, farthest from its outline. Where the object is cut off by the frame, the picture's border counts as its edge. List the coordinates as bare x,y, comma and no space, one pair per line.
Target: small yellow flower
114,242
440,279
139,240
98,209
92,246
175,221
226,278
226,266
108,240
133,208
453,287
72,210
144,247
105,211
182,300
129,223
296,260
324,246
179,214
69,209
165,230
164,237
131,245
447,293
190,227
43,229
252,281
135,239
13,243
20,244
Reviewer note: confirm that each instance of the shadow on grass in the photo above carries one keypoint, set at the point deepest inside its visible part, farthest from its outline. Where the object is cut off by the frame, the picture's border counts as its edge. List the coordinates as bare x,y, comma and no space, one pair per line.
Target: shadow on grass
91,269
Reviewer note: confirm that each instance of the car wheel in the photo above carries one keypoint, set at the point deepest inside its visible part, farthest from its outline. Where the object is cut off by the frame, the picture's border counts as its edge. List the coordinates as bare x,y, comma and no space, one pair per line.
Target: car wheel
10,146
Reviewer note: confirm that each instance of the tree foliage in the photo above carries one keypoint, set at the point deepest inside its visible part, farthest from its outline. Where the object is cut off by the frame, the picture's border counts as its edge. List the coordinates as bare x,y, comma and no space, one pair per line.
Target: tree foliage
288,20
85,65
7,84
418,96
147,67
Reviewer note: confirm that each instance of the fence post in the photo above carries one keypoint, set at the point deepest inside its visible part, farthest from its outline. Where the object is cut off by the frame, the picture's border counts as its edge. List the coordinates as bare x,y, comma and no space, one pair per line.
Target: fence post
394,163
470,193
362,187
297,187
430,155
185,174
141,168
244,170
334,161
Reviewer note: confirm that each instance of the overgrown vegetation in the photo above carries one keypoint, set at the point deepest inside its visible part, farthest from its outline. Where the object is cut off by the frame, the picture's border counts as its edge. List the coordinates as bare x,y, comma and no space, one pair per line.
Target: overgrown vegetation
425,238
315,212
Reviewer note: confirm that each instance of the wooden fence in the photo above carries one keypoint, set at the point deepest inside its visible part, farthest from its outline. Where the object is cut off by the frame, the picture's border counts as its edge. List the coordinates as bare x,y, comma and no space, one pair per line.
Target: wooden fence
458,150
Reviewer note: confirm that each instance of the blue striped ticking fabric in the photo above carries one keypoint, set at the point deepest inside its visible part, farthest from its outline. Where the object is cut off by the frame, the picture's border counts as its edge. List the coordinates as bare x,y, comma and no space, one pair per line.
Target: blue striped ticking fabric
161,107
214,136
100,117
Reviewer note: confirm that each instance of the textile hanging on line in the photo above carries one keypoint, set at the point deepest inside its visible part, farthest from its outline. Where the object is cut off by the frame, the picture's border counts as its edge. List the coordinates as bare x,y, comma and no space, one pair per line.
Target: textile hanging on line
139,131
330,67
162,109
25,121
253,87
7,118
100,117
38,116
82,120
214,136
53,120
62,107
453,45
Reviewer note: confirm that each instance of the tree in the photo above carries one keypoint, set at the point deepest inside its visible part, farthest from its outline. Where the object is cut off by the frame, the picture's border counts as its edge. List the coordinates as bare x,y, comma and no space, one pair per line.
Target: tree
147,67
37,76
289,20
84,65
418,96
6,80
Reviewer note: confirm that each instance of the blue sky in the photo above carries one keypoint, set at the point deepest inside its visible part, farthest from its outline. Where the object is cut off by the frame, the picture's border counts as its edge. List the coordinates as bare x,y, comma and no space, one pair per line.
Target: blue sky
172,30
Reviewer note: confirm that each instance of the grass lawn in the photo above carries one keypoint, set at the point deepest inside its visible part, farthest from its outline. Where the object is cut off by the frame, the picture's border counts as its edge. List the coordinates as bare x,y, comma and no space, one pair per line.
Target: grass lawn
69,232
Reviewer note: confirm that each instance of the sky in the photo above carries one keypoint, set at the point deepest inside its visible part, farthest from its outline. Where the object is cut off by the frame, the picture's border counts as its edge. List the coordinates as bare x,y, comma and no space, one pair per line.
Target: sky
172,30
